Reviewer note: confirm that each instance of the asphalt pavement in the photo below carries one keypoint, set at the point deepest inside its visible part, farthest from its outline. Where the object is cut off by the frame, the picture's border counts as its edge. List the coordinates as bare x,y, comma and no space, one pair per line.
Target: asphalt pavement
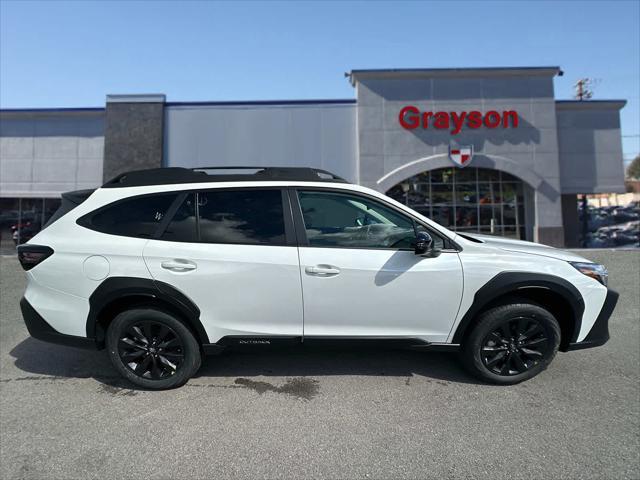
65,413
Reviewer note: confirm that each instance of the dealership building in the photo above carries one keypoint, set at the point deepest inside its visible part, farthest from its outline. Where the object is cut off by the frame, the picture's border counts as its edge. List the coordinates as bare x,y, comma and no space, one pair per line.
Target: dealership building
486,150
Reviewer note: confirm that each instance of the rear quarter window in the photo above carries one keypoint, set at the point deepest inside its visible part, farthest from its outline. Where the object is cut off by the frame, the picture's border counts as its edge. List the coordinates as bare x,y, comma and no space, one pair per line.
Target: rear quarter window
133,217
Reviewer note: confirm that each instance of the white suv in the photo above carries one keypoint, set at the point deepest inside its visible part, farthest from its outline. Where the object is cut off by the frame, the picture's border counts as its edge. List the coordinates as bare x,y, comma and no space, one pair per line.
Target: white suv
162,266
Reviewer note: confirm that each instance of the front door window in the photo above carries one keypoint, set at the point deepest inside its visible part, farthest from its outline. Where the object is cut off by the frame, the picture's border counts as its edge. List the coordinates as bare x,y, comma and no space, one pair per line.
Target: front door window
350,221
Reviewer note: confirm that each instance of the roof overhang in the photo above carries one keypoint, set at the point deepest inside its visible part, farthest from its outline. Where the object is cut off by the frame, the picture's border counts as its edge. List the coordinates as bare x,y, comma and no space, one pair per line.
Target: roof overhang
590,104
357,75
137,98
49,112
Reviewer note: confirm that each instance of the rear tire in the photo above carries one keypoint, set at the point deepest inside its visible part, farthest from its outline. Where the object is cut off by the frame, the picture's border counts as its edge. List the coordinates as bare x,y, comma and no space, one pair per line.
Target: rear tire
152,349
511,343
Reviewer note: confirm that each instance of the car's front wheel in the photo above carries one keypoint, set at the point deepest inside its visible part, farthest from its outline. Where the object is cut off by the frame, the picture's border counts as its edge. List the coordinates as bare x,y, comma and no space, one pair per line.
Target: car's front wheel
152,349
511,343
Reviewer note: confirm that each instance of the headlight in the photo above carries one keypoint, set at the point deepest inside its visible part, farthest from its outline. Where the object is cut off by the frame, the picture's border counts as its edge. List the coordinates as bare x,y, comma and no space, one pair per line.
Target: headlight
593,270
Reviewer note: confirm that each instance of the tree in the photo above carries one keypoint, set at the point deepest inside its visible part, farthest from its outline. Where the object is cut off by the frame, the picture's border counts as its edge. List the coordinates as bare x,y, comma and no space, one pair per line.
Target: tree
633,170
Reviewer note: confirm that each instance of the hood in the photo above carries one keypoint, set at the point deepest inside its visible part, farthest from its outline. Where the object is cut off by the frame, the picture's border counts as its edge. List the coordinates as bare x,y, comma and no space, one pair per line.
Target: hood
520,246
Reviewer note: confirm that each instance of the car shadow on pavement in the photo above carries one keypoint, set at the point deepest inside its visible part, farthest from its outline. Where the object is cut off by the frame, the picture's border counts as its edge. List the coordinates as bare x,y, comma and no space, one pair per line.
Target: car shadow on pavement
59,363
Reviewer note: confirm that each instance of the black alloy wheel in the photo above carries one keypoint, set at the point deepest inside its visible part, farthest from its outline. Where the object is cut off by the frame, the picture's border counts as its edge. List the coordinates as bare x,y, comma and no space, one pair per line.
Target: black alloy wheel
510,343
151,350
515,346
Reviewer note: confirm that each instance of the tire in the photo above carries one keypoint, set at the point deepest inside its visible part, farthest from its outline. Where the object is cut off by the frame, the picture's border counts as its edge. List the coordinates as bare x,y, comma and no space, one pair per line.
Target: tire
511,343
152,349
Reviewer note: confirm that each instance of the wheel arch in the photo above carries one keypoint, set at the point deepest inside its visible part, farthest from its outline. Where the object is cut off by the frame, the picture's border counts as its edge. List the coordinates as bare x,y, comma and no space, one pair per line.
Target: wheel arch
554,293
117,294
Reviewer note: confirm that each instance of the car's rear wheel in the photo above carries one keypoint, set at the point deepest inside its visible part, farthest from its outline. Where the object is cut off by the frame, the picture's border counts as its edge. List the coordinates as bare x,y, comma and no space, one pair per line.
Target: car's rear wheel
511,343
152,349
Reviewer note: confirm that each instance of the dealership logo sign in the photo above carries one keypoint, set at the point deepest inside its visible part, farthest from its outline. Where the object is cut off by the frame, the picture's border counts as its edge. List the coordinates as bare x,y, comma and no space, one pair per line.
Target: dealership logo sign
461,156
411,117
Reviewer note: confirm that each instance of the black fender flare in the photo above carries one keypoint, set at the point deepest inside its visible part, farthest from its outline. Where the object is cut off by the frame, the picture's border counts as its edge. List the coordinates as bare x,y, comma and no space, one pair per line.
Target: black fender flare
509,283
114,288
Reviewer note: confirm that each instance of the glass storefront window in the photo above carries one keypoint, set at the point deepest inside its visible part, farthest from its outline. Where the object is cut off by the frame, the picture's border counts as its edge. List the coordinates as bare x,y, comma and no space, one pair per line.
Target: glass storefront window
470,199
467,217
467,175
486,192
466,193
486,175
442,175
22,218
443,216
441,193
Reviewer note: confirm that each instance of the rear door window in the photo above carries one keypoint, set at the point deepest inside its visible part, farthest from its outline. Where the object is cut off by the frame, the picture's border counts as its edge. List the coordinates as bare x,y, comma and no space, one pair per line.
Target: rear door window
250,217
183,225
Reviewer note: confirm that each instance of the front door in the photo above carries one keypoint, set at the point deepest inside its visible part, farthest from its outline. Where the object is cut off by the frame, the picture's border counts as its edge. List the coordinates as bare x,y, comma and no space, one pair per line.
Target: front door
230,253
361,277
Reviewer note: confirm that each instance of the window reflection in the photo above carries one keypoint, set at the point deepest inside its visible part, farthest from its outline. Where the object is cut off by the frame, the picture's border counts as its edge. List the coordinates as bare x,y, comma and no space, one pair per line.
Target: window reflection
249,217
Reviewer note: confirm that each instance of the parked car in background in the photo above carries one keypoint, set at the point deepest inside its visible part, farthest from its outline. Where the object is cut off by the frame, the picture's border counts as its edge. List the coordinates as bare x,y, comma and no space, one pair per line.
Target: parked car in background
610,226
23,232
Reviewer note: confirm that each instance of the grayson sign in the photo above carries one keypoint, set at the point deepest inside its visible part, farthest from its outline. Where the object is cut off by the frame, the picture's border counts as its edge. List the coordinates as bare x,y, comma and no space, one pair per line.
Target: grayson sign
411,117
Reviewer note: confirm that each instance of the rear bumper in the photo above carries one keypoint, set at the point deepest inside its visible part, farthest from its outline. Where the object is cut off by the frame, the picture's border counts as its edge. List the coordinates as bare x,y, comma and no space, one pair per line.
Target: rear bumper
40,329
599,334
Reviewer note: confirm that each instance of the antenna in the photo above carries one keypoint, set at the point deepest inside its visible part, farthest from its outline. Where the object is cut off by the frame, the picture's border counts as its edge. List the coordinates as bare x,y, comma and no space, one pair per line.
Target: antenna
583,88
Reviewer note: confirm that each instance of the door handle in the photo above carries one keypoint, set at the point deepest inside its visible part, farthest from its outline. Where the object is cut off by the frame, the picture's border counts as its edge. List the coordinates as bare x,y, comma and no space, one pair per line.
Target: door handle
322,271
179,265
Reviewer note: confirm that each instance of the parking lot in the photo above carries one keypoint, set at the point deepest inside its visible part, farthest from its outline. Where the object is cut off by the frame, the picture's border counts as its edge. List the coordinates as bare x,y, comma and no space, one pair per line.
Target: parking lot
335,414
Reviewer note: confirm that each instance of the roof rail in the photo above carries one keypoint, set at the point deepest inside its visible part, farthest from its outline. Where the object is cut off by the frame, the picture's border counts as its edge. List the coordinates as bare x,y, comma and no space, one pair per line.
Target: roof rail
171,175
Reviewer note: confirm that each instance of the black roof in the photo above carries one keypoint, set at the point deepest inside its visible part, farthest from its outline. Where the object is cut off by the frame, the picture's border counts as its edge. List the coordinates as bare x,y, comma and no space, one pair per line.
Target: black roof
167,176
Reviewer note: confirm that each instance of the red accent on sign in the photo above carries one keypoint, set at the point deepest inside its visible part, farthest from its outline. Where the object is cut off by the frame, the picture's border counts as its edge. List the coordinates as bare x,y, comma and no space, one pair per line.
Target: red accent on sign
409,122
410,118
461,156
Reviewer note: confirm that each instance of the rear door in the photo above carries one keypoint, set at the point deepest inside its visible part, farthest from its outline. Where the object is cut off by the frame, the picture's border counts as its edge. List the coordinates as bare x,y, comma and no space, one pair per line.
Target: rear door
233,253
360,275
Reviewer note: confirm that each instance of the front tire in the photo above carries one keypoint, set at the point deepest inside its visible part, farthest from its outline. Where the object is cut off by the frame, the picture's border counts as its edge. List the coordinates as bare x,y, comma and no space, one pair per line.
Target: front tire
511,343
152,349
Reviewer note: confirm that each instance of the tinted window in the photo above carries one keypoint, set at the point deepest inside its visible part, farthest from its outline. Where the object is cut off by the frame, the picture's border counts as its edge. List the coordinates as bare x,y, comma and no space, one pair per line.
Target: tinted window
182,227
134,217
350,221
230,216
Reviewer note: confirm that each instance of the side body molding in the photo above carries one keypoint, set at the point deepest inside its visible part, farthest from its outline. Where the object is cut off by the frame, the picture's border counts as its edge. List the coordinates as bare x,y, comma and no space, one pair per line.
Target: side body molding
119,288
510,283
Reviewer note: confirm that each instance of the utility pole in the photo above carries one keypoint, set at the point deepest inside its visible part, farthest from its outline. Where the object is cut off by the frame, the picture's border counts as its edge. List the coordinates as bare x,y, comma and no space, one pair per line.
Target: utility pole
585,221
582,89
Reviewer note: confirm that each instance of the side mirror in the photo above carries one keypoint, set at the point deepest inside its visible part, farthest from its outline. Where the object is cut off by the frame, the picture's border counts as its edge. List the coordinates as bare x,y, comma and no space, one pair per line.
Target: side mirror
423,243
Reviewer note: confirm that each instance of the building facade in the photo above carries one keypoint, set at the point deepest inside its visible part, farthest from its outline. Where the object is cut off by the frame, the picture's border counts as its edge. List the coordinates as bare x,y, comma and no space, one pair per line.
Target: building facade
485,150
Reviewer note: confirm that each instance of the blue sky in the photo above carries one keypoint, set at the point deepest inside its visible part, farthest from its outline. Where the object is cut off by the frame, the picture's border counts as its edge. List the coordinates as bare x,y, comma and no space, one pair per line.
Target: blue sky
55,54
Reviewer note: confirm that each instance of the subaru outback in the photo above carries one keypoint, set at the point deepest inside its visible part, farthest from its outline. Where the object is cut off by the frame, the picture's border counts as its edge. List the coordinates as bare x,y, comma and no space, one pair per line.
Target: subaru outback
161,267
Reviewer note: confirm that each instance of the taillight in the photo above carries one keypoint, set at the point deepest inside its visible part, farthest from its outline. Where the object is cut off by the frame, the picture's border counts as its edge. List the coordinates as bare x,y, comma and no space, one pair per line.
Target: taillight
32,255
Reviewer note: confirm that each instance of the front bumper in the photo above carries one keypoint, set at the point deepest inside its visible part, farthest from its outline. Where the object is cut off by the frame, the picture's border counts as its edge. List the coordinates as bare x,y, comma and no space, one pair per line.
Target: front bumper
599,333
40,329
